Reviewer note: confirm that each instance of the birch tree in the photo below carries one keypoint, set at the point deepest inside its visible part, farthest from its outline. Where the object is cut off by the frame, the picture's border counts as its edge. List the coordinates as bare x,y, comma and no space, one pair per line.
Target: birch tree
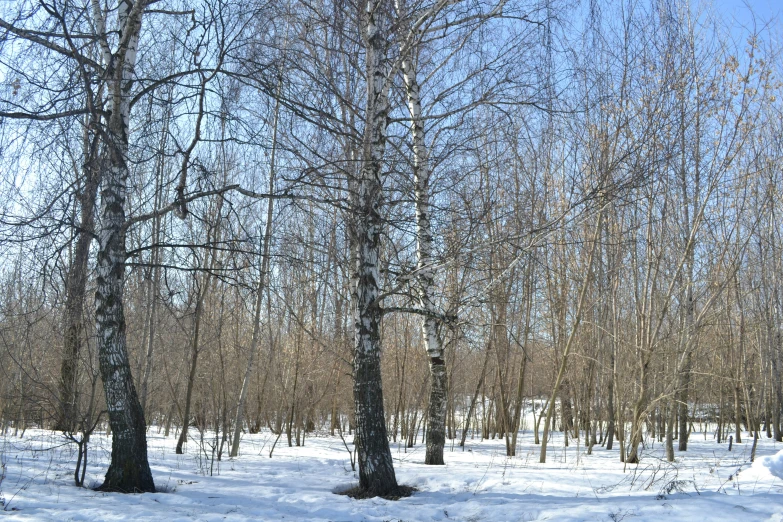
425,268
129,469
376,471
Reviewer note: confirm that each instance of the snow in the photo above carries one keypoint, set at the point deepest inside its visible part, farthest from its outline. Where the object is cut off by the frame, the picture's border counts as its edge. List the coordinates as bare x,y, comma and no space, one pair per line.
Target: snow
774,464
766,468
478,484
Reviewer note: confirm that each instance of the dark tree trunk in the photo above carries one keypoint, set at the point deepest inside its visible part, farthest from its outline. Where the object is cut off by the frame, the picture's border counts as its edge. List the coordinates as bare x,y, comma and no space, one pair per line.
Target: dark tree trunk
684,385
183,436
670,417
129,470
473,399
436,414
74,303
610,413
376,471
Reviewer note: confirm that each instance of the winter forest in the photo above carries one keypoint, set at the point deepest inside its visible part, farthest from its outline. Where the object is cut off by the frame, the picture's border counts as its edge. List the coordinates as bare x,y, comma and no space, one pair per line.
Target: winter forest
390,260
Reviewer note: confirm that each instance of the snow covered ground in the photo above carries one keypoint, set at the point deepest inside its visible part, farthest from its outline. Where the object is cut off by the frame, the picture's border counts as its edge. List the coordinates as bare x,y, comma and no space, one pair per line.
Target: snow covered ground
478,484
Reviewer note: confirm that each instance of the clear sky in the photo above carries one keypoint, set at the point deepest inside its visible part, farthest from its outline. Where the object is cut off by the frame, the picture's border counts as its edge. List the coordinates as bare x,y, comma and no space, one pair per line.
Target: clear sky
740,10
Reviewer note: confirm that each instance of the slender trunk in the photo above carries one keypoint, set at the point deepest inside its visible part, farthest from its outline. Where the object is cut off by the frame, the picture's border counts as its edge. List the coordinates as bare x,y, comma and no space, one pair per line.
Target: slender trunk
425,273
265,263
334,423
737,415
223,392
501,405
202,290
155,282
777,382
637,422
195,348
400,407
612,400
610,408
670,418
682,404
536,436
572,335
76,285
473,399
523,363
293,409
518,405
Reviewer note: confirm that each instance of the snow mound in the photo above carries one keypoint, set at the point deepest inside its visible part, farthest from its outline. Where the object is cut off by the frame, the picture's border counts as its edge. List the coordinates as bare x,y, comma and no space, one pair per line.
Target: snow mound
773,463
765,468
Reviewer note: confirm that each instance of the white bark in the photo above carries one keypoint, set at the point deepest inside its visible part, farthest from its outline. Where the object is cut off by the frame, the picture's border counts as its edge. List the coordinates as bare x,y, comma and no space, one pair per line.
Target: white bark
129,469
425,271
376,471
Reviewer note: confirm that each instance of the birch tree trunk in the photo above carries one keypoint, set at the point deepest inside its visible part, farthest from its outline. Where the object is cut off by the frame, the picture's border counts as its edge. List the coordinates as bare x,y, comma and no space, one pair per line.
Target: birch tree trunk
129,469
425,273
376,471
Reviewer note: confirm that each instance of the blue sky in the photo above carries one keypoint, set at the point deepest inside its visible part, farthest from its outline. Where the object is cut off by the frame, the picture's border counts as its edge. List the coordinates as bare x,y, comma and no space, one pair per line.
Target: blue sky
764,10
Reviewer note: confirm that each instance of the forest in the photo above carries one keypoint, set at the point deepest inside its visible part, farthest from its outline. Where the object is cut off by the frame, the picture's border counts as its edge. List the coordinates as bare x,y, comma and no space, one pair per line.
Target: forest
378,224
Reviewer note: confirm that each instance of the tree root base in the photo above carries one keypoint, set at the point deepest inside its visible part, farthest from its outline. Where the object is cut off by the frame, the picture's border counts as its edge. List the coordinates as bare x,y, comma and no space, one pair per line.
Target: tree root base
104,488
358,493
